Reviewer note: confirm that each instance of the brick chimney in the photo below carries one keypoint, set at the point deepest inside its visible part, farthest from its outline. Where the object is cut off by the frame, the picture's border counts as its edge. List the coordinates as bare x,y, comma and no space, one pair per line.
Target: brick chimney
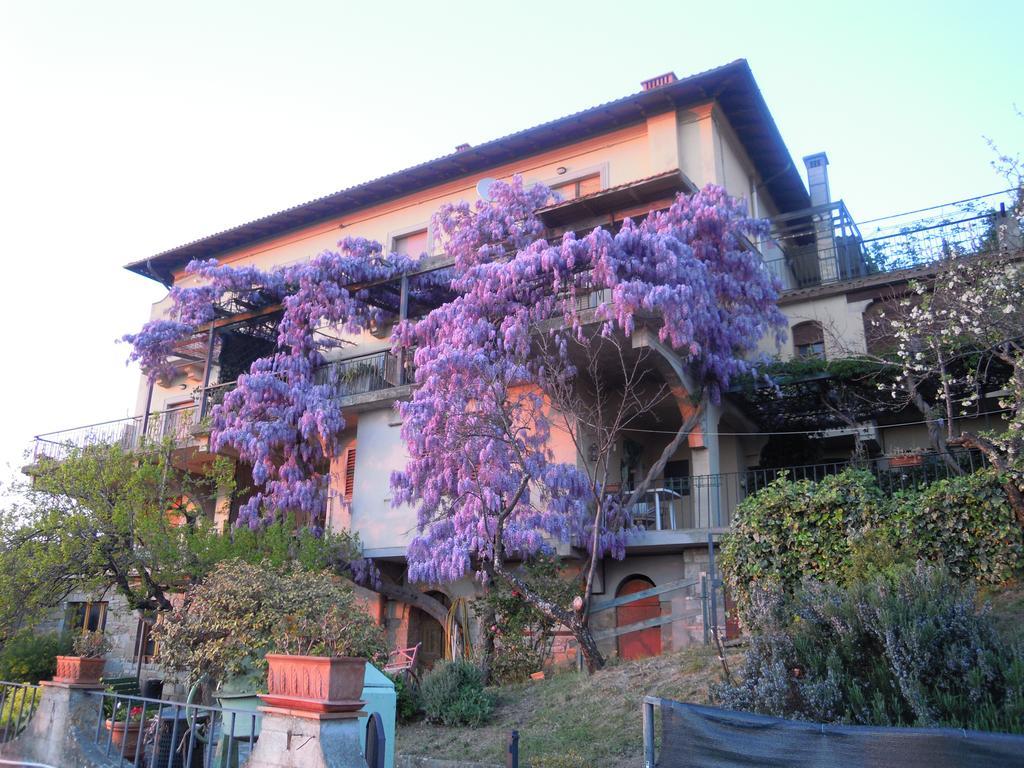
817,178
462,147
656,82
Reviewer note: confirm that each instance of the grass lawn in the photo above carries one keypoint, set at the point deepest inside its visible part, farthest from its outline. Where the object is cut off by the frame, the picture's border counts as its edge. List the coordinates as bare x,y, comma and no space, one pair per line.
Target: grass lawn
596,717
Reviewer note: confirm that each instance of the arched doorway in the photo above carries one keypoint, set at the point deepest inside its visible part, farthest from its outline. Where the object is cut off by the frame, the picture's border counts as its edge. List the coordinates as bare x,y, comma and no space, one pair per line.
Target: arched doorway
645,642
428,632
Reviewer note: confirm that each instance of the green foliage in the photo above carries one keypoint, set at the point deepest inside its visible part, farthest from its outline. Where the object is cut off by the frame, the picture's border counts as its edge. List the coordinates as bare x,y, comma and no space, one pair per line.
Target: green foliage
452,693
28,657
967,523
242,611
789,530
906,649
844,528
16,710
407,696
104,517
522,634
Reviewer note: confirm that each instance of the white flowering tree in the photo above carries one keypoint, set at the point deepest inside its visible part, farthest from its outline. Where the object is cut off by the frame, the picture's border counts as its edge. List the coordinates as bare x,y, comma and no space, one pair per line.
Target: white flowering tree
954,337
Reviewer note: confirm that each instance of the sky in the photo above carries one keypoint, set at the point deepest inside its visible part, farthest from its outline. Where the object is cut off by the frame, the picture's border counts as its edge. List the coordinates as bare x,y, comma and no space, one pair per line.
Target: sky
127,128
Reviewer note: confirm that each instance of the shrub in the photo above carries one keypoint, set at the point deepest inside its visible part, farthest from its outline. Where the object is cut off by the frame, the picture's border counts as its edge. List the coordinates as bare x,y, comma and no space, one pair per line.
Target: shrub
521,634
28,658
967,523
407,699
843,528
909,649
241,612
452,693
790,530
91,645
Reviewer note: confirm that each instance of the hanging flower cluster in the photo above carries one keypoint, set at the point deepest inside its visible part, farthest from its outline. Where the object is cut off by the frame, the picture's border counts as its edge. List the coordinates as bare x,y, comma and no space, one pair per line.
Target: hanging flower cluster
477,429
282,417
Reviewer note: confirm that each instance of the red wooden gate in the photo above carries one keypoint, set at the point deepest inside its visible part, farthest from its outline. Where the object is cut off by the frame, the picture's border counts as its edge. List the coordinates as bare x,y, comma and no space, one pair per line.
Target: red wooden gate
645,642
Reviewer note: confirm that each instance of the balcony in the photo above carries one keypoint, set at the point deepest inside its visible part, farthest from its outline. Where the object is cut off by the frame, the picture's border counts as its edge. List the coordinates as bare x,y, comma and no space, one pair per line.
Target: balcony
685,510
131,434
824,245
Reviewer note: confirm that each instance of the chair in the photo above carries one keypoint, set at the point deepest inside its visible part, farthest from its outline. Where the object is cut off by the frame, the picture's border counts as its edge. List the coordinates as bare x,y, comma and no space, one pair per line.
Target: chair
402,661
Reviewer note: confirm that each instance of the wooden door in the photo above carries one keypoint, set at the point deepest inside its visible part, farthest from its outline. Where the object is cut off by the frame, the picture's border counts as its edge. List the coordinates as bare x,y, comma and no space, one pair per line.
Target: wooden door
646,642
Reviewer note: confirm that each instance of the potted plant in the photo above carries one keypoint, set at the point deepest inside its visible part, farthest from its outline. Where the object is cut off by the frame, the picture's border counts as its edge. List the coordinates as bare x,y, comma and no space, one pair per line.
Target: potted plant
906,458
321,660
228,623
86,666
125,725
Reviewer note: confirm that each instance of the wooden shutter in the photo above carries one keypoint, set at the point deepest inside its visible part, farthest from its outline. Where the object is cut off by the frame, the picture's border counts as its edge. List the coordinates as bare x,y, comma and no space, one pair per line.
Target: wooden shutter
350,472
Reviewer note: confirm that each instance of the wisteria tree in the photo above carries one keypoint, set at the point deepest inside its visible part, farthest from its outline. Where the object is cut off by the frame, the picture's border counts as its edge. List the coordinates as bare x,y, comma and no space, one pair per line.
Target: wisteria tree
515,355
526,348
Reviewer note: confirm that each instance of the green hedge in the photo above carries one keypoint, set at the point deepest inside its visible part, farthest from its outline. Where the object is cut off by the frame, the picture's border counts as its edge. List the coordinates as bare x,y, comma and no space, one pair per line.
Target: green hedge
792,530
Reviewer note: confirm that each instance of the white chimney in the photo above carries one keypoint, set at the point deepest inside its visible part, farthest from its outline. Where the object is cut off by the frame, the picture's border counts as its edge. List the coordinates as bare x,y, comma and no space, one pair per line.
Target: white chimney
817,178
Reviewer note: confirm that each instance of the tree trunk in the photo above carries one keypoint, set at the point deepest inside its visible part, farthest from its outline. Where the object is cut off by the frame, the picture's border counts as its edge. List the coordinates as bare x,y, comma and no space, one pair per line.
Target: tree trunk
572,621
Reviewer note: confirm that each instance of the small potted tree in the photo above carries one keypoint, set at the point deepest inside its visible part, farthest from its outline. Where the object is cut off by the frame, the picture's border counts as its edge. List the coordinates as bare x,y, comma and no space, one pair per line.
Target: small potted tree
86,666
322,659
229,623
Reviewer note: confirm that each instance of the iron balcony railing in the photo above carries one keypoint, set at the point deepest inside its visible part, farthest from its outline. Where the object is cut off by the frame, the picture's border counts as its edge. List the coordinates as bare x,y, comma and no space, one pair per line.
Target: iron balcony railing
367,373
707,502
131,433
824,245
352,376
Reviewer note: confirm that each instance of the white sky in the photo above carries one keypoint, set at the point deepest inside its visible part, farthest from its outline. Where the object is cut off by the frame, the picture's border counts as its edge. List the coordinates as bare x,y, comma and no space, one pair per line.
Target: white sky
130,127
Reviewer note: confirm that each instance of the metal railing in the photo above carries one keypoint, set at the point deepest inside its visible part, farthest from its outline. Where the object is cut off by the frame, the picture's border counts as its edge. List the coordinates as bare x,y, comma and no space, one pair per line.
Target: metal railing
18,702
707,502
824,245
152,733
132,433
366,373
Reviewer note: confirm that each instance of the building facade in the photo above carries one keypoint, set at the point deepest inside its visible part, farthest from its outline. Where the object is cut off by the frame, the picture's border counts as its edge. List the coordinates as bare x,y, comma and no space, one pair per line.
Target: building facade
617,160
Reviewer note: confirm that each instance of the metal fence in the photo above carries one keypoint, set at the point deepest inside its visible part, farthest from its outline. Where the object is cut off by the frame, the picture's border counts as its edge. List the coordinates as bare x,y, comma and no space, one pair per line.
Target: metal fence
131,433
824,245
18,702
694,736
152,733
707,502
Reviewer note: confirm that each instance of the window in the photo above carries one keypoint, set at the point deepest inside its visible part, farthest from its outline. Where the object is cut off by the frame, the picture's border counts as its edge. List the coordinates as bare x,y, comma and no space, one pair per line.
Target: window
90,616
809,340
413,244
570,190
350,472
145,643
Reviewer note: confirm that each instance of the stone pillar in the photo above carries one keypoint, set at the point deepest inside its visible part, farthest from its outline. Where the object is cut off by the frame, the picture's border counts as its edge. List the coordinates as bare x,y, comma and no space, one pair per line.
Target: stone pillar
291,738
62,732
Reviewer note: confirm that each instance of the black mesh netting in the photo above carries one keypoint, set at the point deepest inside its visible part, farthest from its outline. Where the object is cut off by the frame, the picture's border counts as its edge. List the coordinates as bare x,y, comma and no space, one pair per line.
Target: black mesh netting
707,737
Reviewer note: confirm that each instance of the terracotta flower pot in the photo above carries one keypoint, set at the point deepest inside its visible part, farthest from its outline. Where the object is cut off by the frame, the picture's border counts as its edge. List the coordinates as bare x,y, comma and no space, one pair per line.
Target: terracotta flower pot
906,460
79,670
314,683
124,734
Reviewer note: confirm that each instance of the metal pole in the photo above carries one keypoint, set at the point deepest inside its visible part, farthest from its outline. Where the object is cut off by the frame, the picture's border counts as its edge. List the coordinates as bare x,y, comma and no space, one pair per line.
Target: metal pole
512,753
206,372
712,581
145,414
648,710
403,314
